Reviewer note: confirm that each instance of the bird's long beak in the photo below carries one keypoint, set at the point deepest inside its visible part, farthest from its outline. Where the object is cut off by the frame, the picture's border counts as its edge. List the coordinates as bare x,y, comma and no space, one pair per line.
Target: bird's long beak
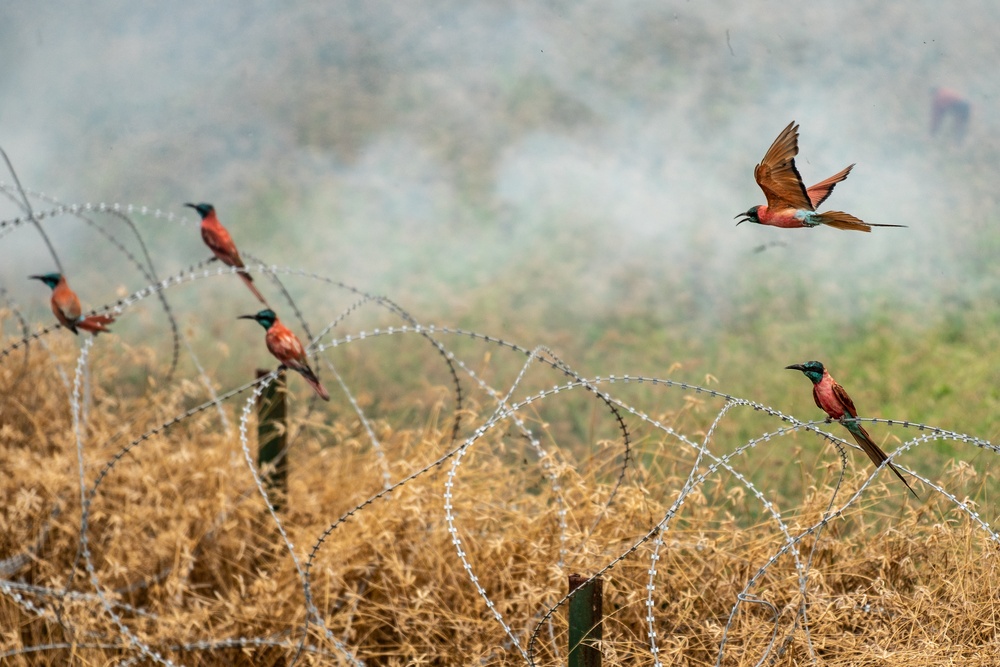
194,206
744,216
37,277
247,317
795,367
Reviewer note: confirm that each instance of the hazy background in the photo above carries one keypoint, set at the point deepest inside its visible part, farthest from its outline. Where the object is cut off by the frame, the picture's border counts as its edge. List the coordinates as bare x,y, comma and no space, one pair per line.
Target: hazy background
522,168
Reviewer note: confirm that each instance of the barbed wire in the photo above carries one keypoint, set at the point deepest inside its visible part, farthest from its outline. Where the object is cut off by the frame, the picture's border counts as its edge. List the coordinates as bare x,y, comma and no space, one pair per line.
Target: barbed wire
512,402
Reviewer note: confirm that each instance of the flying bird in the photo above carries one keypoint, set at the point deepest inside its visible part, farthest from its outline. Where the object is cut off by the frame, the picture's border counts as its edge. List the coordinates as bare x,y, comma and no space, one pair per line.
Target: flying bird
833,399
217,238
66,306
789,203
286,346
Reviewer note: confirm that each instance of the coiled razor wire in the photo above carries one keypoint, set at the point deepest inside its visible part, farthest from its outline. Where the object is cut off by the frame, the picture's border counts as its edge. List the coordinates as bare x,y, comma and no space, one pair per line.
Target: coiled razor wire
522,636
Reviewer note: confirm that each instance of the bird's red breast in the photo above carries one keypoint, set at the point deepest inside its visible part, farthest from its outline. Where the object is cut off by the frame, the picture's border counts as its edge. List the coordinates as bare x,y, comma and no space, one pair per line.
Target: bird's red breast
65,303
781,217
832,398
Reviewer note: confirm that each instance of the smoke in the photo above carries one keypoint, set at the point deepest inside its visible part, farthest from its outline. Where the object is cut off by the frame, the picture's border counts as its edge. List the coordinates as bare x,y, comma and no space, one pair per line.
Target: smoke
433,151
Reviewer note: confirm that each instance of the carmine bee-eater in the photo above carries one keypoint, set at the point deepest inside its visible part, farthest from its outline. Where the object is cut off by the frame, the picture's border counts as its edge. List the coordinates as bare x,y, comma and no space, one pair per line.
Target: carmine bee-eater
286,346
834,401
66,306
217,238
789,203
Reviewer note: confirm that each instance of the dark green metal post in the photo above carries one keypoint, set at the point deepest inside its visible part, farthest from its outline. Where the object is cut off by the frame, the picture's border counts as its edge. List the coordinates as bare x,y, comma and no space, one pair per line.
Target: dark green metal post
272,436
585,616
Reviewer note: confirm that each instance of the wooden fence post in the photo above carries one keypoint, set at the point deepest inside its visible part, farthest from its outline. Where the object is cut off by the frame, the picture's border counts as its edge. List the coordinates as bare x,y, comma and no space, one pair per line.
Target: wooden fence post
272,436
585,617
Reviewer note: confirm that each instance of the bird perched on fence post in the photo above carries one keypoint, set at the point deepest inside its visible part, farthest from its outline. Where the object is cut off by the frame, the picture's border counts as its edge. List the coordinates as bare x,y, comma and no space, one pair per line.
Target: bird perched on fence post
789,203
217,238
286,346
834,401
66,306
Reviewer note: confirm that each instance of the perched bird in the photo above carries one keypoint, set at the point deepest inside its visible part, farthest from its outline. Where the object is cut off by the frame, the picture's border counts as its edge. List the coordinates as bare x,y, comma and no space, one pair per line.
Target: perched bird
948,102
286,346
789,203
66,306
832,399
221,243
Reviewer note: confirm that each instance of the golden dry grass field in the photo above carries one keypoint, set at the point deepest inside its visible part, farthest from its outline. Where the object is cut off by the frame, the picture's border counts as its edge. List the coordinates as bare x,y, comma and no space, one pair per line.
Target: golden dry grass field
181,562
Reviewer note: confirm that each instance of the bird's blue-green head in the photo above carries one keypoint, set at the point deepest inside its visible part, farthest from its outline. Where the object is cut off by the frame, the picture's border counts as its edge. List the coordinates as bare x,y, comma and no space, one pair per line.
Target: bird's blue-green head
265,318
50,279
813,370
204,210
748,216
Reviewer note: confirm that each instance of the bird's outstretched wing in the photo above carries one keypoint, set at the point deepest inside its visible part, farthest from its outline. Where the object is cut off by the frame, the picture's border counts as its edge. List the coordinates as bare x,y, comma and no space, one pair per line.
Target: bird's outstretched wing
819,192
777,176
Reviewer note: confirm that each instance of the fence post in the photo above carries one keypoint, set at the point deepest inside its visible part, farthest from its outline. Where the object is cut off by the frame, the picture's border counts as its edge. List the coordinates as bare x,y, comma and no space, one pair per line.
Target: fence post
585,616
272,436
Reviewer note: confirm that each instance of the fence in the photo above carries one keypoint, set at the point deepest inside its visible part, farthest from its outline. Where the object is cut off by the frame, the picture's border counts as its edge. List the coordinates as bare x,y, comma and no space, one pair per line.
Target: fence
136,535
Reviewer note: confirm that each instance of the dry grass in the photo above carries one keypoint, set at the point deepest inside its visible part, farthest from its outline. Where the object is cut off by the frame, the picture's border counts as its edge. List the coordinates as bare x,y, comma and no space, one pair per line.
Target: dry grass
179,533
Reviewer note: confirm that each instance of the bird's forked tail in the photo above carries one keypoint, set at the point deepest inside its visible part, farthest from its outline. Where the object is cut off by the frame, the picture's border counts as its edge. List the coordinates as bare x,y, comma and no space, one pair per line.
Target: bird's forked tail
874,452
95,324
248,279
313,381
841,220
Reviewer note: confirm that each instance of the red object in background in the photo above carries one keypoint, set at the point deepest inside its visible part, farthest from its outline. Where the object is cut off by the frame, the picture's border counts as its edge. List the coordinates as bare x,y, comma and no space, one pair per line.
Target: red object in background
948,102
